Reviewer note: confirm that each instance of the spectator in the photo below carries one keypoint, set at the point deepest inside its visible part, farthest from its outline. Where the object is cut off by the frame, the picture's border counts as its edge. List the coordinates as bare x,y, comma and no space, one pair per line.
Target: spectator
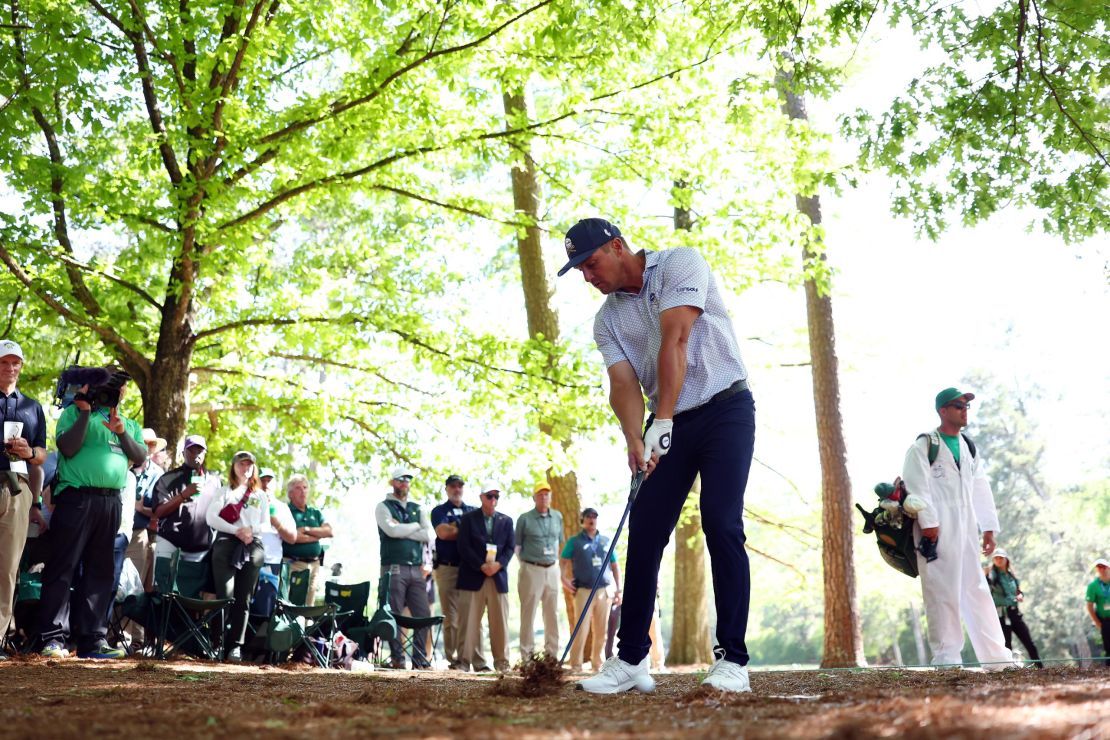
239,514
181,500
306,553
279,530
123,534
583,560
144,529
95,445
960,506
539,535
1098,604
1006,592
403,527
140,551
452,601
269,482
486,546
25,454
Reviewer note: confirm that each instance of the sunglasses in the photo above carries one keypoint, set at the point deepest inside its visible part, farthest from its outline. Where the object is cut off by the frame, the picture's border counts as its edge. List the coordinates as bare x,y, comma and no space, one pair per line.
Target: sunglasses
959,405
492,496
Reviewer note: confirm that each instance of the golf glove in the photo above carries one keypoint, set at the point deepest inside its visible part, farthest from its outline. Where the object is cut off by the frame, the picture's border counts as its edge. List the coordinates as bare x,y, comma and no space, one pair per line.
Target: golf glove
658,438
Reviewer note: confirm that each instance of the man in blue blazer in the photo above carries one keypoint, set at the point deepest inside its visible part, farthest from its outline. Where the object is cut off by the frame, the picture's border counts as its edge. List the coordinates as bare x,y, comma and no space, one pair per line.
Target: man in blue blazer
486,545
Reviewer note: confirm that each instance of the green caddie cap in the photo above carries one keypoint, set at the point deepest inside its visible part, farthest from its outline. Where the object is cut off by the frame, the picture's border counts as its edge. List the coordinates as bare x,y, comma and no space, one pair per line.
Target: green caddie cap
948,395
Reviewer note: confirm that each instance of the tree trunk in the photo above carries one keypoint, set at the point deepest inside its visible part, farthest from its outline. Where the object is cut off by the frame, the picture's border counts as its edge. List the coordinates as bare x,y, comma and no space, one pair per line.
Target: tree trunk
918,638
843,636
542,319
691,643
690,639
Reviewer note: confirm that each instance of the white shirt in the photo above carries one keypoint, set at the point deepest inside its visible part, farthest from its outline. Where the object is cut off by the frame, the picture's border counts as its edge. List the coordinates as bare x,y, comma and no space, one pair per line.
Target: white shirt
271,540
254,514
627,328
127,506
420,531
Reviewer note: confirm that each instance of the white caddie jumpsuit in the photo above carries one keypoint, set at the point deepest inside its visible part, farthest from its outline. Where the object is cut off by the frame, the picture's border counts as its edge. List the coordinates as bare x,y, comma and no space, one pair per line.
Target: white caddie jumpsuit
960,502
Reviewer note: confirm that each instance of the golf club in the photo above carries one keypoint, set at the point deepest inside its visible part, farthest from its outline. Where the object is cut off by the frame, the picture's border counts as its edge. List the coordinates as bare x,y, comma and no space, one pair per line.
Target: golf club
637,481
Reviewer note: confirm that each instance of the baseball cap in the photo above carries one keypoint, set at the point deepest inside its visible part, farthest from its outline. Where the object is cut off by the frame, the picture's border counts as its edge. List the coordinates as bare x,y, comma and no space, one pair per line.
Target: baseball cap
1103,562
8,347
492,485
588,512
401,472
585,238
452,479
266,473
195,440
243,455
150,437
948,395
1000,553
540,487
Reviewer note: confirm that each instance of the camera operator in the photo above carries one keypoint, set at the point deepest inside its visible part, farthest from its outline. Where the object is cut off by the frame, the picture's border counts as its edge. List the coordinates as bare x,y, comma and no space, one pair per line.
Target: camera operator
97,447
24,453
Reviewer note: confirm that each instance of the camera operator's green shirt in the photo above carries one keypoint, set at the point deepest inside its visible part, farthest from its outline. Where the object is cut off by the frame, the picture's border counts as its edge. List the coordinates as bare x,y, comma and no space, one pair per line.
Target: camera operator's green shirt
101,462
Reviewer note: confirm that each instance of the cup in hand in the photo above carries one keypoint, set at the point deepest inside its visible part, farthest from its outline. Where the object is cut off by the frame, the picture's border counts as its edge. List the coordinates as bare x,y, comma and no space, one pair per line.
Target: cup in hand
491,552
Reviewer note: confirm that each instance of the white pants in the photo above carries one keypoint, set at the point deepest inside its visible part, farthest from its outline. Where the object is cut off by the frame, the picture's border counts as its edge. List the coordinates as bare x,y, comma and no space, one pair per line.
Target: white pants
954,588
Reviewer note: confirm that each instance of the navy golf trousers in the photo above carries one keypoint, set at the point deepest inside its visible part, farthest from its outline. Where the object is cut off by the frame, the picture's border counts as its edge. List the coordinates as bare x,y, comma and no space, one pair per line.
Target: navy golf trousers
715,440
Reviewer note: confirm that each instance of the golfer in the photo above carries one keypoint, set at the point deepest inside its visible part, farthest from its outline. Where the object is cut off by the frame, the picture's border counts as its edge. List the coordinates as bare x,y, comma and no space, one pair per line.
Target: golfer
664,333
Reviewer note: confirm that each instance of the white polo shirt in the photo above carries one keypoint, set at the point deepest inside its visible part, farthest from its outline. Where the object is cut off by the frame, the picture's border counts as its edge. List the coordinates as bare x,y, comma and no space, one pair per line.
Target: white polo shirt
627,328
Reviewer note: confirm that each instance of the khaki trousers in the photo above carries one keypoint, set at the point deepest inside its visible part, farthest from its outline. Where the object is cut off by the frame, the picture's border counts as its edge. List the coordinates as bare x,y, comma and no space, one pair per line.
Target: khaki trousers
538,585
14,517
478,602
296,566
140,551
596,622
447,578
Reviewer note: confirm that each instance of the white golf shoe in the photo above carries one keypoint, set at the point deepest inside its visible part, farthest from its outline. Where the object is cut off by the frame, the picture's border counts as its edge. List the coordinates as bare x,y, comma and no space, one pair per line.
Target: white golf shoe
616,676
727,676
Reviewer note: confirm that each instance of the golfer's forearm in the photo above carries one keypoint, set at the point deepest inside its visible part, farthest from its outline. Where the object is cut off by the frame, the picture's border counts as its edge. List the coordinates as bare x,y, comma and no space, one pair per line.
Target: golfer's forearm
627,401
672,373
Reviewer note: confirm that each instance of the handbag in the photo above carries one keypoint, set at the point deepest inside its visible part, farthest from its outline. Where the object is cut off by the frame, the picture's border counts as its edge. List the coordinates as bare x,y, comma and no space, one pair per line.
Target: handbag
231,512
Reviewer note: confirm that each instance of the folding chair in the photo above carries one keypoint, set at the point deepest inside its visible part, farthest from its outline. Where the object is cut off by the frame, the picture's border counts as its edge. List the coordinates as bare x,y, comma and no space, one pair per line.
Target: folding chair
298,588
25,612
382,627
293,626
176,600
350,603
380,620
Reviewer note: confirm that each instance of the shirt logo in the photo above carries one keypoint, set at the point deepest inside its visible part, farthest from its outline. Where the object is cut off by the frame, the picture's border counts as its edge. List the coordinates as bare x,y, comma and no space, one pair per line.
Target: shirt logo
688,289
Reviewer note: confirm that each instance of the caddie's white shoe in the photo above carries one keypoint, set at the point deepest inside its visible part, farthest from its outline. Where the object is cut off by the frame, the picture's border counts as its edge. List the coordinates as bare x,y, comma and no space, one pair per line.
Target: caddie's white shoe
616,676
727,676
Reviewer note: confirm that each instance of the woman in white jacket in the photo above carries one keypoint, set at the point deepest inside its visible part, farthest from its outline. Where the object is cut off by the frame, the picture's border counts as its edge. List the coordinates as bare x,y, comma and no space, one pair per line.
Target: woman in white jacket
238,515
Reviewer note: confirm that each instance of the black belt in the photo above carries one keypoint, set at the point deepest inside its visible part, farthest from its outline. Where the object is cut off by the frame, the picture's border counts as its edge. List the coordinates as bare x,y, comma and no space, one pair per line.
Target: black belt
541,565
92,490
733,390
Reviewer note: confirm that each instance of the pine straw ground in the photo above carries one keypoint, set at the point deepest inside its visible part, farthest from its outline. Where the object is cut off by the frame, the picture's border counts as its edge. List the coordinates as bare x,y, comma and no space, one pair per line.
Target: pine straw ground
175,700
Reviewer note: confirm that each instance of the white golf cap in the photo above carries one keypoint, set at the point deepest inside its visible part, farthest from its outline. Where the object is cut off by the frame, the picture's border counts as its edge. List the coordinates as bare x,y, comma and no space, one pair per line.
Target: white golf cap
1000,553
1103,562
400,472
8,347
492,485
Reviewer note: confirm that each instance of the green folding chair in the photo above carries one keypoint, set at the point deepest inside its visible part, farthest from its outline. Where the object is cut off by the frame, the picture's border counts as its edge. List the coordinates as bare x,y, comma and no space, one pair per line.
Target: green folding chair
293,626
176,600
298,588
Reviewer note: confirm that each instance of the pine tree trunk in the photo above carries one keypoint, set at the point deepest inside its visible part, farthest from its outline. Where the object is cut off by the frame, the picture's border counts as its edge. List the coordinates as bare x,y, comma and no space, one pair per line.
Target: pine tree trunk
691,643
542,319
843,636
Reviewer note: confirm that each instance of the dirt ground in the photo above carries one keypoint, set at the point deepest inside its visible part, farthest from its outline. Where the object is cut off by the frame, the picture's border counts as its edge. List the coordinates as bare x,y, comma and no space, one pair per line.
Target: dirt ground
175,700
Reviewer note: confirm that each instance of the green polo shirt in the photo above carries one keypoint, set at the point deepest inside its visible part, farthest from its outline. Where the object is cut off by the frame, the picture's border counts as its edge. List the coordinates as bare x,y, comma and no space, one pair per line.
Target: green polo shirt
1098,593
539,536
310,517
101,462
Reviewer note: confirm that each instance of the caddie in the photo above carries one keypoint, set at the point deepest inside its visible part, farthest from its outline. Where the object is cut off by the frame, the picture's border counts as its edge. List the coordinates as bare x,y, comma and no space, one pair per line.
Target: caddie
959,506
664,333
